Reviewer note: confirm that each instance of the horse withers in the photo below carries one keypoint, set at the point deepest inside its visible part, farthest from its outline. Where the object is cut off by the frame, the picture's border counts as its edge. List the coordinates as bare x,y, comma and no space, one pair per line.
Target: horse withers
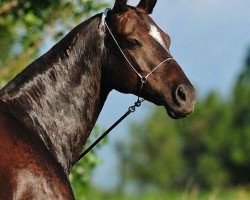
48,110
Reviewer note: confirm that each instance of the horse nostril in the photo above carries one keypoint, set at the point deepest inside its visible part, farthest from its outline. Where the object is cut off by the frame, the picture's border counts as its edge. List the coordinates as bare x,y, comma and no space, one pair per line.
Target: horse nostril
184,99
181,94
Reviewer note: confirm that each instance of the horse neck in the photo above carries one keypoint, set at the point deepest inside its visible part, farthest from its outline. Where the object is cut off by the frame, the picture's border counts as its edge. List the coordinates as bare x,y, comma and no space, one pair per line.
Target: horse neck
60,95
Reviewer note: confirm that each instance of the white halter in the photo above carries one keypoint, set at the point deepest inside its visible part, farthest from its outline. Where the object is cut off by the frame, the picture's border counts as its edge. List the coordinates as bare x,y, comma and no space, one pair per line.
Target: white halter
143,78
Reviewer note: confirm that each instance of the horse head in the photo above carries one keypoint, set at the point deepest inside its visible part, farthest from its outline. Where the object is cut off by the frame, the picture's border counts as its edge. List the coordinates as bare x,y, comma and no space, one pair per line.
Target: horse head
138,51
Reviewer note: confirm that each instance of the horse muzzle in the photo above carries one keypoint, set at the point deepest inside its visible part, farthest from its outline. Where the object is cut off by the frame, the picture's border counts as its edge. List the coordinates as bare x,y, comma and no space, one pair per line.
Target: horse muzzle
183,101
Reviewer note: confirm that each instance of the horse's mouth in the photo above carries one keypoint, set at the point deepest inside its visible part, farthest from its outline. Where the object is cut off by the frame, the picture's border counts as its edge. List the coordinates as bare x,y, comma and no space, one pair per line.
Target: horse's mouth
175,115
179,113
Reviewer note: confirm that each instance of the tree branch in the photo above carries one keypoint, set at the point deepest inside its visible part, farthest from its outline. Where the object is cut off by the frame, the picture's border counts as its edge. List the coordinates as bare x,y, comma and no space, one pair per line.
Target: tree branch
21,60
8,6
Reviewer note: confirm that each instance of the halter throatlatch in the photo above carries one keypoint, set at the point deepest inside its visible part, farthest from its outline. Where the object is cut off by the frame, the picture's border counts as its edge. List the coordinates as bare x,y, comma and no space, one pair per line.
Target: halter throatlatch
137,103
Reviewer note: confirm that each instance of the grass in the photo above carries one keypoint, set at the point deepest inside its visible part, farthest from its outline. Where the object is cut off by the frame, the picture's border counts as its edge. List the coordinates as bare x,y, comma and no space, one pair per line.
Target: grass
194,194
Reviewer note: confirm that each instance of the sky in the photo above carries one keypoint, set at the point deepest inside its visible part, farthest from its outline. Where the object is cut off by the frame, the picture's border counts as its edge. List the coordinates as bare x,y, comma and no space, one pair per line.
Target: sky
209,40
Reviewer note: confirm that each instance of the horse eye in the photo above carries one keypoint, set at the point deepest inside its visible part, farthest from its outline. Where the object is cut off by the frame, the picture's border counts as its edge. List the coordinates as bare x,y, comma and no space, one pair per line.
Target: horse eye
133,43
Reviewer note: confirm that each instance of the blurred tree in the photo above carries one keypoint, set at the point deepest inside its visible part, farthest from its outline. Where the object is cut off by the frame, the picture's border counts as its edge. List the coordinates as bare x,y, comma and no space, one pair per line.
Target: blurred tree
244,77
154,152
167,154
240,159
209,149
207,140
24,26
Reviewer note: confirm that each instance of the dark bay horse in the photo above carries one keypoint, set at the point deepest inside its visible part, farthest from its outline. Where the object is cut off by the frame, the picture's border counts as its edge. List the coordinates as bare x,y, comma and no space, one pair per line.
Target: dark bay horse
48,110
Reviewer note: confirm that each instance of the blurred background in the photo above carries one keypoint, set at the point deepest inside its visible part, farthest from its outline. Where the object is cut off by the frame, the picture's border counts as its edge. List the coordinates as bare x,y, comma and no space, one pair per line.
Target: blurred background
150,156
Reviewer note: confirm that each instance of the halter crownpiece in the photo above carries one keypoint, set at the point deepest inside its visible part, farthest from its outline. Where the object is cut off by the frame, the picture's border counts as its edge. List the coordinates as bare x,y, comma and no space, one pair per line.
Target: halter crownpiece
104,15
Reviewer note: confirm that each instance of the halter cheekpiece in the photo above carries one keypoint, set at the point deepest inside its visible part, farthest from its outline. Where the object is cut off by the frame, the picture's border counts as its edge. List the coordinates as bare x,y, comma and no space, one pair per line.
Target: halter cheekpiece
143,78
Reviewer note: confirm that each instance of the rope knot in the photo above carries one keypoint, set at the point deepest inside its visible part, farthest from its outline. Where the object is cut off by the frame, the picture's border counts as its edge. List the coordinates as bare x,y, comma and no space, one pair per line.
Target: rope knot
144,79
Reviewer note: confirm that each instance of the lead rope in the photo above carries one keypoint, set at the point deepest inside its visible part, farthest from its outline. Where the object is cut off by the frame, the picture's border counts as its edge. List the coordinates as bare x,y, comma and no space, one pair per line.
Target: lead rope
137,103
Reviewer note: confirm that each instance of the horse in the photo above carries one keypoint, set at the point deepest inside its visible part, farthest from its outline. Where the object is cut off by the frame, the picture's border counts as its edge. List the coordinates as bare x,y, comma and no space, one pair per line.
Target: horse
49,109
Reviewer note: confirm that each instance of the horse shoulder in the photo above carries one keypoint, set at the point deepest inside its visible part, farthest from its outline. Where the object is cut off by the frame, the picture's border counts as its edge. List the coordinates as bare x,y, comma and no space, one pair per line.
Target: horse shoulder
27,170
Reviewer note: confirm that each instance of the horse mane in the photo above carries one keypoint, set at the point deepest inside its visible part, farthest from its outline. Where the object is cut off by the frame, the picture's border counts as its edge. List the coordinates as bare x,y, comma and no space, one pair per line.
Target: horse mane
53,96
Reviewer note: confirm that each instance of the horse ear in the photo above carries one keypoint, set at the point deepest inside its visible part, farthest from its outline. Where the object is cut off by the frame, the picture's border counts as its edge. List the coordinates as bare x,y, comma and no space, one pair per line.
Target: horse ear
120,6
147,5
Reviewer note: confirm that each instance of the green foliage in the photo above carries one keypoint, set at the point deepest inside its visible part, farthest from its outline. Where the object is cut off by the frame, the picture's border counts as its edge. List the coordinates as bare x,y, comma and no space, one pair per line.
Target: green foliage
81,174
207,140
153,148
82,171
6,43
240,161
210,149
189,194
